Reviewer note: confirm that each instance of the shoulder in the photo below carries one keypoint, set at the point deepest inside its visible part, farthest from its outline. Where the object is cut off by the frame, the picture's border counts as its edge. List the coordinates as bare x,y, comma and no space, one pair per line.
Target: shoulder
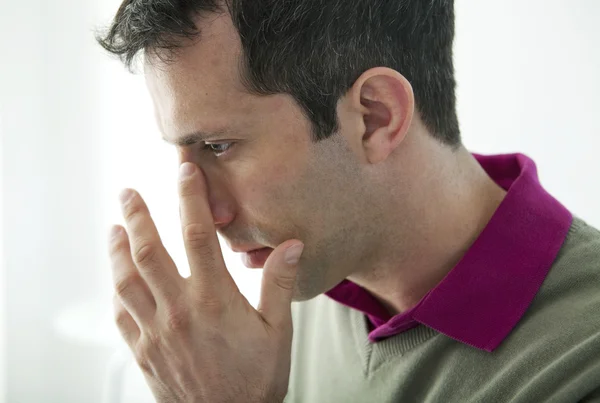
575,273
562,322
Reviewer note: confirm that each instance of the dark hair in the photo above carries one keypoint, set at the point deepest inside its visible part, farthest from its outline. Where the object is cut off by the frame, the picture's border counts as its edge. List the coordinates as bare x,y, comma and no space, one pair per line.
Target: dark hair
313,50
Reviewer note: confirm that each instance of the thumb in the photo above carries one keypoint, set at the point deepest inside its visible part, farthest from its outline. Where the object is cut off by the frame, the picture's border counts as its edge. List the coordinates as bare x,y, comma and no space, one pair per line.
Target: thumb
278,283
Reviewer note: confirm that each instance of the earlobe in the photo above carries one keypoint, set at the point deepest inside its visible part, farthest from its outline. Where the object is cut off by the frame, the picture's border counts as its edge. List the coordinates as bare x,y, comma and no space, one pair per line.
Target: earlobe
388,102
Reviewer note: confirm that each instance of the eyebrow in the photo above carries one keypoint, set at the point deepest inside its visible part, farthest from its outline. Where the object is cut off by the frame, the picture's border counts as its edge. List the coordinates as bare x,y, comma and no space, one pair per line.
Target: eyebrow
196,137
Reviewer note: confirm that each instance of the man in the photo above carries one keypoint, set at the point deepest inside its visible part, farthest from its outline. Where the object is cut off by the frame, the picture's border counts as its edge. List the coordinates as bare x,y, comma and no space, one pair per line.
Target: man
328,129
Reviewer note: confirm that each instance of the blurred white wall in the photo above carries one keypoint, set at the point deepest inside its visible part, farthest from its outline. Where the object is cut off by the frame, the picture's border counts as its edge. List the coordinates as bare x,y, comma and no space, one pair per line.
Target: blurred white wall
2,286
78,128
53,246
528,81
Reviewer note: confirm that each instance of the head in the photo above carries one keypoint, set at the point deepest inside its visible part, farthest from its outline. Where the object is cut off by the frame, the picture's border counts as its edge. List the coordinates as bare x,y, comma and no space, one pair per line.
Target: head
310,108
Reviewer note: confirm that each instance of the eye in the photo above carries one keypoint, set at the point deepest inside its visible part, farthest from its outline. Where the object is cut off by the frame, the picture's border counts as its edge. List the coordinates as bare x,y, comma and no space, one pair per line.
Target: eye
217,148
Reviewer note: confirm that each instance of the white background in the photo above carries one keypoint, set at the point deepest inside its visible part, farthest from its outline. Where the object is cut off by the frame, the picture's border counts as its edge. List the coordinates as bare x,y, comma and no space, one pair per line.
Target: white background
77,128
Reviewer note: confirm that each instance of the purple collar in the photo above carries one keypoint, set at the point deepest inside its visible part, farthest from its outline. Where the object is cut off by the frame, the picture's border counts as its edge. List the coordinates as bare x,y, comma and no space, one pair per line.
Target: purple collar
483,297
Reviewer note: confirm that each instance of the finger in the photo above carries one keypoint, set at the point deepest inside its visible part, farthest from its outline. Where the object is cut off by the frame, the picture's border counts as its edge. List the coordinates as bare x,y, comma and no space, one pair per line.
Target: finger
278,283
129,329
129,285
149,255
207,267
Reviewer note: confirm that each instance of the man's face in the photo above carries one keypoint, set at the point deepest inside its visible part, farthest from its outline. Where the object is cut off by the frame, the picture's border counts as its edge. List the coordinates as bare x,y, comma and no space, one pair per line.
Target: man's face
267,180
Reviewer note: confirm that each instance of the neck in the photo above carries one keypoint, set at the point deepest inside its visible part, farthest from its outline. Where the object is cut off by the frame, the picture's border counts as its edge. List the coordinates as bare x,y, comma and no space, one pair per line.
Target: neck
450,203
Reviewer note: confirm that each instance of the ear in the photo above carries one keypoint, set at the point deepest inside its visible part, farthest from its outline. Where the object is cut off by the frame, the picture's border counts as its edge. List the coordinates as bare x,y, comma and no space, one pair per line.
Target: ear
387,105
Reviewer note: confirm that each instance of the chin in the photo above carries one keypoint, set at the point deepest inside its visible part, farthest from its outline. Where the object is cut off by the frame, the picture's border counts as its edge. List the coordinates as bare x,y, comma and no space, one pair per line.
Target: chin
305,295
312,280
303,298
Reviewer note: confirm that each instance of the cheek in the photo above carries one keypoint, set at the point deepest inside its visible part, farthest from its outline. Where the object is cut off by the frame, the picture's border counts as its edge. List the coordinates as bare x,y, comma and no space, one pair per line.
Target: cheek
271,186
270,191
272,194
258,192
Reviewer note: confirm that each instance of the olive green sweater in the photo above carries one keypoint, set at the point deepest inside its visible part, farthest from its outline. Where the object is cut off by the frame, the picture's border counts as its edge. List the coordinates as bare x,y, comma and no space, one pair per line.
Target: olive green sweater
552,355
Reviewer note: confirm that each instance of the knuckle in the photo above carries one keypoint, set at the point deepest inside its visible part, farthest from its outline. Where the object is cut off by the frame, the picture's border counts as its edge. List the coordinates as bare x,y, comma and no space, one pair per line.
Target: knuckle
131,209
149,344
144,254
145,366
143,360
187,188
125,285
122,318
178,320
213,308
198,237
285,283
118,245
195,232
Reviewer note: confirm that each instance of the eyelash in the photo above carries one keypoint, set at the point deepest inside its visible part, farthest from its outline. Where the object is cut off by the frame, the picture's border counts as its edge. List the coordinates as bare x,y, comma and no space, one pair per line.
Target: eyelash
207,147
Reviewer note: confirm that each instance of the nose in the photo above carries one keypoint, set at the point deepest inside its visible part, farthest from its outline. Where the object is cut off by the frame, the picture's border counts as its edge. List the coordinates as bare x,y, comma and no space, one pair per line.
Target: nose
222,213
221,205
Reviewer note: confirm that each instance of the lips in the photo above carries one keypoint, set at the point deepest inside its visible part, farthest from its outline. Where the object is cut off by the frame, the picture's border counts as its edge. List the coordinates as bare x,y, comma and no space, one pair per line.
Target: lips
256,259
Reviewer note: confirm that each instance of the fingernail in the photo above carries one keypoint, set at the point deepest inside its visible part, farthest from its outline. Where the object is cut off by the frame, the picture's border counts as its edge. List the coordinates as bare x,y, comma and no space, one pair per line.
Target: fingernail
292,254
185,170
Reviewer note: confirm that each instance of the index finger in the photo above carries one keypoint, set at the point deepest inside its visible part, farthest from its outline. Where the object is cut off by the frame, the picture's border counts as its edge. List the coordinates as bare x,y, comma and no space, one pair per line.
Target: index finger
207,267
150,258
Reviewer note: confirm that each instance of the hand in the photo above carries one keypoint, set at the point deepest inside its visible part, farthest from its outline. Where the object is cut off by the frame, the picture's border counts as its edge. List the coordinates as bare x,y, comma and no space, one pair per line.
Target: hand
197,339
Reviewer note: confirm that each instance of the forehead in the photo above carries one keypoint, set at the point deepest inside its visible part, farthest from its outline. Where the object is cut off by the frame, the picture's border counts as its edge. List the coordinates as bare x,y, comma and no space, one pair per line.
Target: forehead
201,81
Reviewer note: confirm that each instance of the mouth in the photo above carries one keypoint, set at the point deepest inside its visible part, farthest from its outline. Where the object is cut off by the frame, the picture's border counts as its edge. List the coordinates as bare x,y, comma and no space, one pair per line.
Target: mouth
256,259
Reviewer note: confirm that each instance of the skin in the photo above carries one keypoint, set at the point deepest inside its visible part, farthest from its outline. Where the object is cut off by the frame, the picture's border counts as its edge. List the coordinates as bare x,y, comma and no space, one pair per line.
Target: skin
381,203
198,339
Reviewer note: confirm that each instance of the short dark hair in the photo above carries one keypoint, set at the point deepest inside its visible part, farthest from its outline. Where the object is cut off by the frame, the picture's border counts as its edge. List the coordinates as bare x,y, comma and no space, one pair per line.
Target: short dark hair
313,50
